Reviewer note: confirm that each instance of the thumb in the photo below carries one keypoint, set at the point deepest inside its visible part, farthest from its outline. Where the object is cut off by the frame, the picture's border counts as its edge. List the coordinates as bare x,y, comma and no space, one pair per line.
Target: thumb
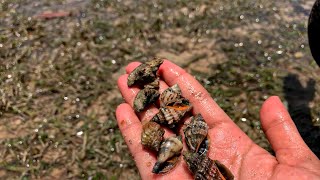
282,134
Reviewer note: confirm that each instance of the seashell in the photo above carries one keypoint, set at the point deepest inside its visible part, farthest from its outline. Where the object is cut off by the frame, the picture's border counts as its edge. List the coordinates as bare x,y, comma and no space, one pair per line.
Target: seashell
152,136
204,147
144,98
171,115
168,155
224,170
145,73
195,132
170,96
154,84
205,168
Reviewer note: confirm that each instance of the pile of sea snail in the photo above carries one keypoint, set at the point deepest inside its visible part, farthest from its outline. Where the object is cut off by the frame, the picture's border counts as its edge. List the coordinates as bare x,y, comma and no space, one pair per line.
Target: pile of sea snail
173,107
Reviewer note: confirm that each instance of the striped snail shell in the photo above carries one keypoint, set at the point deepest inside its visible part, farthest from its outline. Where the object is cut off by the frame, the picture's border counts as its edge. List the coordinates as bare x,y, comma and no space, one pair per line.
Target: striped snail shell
171,115
204,168
195,132
171,96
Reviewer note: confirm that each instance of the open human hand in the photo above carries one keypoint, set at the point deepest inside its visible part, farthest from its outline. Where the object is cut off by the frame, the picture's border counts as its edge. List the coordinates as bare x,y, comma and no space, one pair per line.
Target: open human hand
228,144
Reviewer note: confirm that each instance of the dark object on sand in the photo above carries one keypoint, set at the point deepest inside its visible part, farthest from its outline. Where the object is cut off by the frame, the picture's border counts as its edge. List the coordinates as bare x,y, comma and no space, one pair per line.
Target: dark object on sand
314,31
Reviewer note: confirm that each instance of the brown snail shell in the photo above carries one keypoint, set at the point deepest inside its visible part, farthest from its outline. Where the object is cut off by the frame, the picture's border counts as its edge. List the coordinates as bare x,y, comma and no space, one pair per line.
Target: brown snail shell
171,115
168,155
171,96
152,136
154,84
145,73
224,170
195,132
205,168
144,98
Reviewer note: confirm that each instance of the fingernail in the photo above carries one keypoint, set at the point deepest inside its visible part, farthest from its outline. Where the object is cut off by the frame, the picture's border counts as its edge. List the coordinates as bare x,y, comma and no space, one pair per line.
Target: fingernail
278,100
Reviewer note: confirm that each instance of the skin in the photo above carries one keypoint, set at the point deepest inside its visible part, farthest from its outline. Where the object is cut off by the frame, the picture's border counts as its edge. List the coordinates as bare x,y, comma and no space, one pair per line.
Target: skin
231,146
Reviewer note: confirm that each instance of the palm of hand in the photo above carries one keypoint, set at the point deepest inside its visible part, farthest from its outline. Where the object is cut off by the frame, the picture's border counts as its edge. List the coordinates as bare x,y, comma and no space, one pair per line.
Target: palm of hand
228,143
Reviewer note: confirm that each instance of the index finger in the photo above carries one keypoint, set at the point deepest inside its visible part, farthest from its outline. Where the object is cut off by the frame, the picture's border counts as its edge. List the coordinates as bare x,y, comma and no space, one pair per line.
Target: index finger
195,93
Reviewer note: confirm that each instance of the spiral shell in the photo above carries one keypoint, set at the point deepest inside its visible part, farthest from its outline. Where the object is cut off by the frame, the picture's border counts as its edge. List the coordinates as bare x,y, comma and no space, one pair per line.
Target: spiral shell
195,132
171,96
145,73
171,115
145,97
154,84
168,155
152,136
205,168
